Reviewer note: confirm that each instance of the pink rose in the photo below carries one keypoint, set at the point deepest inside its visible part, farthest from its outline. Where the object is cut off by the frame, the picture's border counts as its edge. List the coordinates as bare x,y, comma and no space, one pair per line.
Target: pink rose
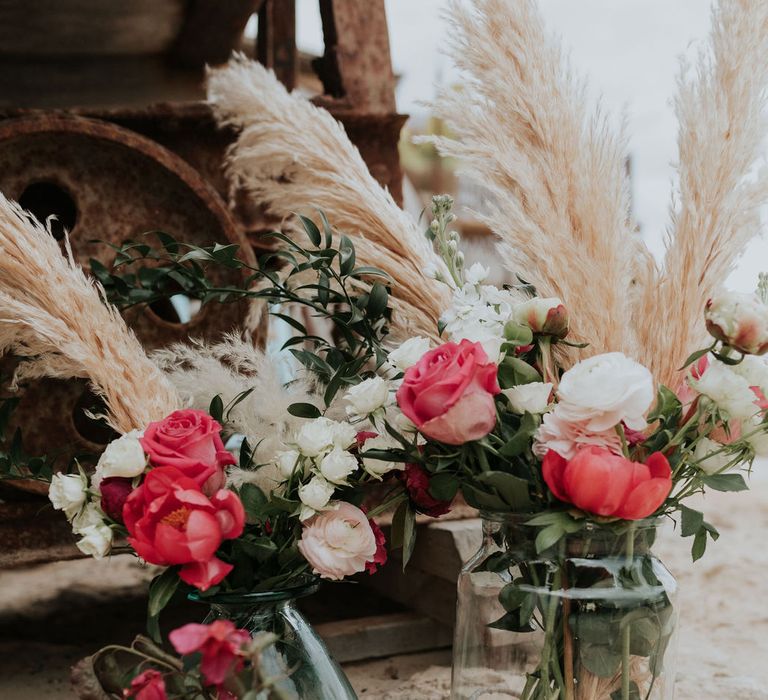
220,644
189,440
448,394
148,685
338,542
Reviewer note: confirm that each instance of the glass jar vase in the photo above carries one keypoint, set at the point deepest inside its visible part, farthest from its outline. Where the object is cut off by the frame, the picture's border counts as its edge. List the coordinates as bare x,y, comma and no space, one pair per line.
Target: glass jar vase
589,617
299,659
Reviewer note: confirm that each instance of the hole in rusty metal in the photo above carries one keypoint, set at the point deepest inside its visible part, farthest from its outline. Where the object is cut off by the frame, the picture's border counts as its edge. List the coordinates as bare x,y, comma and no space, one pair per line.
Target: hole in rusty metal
176,308
89,427
47,199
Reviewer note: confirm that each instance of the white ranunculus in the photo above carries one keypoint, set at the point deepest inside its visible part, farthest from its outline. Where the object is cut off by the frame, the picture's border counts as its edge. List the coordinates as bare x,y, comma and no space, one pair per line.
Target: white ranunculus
96,541
409,353
286,462
67,492
529,398
380,467
88,517
367,397
758,441
344,434
316,437
316,493
337,465
755,370
715,463
122,457
476,274
602,391
729,391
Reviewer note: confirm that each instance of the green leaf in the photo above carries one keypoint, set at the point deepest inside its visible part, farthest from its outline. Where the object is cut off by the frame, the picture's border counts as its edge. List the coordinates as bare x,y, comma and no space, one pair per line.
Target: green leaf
409,534
692,520
378,299
725,482
161,590
667,405
313,233
304,410
699,545
216,408
518,334
521,440
346,256
253,500
514,371
481,499
548,537
602,660
513,490
634,692
695,356
443,486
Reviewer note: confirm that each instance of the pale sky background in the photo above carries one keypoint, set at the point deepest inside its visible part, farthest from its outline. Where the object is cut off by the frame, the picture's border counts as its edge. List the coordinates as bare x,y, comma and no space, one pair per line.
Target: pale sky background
630,49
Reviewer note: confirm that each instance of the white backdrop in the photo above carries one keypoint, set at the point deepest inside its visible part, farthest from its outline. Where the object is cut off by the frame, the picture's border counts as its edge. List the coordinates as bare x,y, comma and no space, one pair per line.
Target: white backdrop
630,49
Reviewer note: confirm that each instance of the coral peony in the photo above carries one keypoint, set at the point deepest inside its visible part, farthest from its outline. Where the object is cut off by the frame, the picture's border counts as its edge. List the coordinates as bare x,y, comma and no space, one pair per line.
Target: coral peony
606,484
219,643
448,393
171,521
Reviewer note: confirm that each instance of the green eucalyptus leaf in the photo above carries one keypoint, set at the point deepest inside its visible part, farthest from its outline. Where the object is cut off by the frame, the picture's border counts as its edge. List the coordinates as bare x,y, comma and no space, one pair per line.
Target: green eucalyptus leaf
725,482
513,490
514,371
304,410
313,233
600,659
692,521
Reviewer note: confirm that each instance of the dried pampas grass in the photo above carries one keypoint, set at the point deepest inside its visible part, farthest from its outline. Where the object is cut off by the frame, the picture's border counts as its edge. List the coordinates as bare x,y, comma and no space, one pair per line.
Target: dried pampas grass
291,155
553,167
720,108
57,319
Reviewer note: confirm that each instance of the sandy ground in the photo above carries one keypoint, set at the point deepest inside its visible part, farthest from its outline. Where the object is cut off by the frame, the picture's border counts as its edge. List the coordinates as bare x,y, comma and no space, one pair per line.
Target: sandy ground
51,616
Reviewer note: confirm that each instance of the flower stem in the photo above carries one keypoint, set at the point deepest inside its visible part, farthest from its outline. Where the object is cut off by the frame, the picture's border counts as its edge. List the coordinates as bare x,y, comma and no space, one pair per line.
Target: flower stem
626,633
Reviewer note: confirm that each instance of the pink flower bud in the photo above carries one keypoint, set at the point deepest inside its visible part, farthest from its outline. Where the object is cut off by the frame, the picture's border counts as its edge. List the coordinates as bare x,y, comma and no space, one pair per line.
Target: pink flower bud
740,321
543,316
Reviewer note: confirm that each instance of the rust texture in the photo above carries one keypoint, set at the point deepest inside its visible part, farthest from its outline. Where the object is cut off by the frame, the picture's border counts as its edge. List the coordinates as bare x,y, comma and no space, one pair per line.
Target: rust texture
129,164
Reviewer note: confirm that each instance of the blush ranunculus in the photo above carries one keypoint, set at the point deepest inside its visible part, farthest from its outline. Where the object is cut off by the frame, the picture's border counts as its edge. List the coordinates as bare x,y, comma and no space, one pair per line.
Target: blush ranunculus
416,481
602,483
338,542
448,393
114,493
219,643
170,521
190,441
148,685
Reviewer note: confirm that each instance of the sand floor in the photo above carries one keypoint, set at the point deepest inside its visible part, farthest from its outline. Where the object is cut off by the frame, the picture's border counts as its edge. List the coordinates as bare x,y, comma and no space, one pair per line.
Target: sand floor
52,615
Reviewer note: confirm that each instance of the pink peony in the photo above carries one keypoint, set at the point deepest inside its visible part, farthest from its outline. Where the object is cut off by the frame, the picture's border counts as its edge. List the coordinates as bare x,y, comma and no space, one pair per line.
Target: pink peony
170,521
190,441
606,484
338,542
567,437
148,685
220,644
739,321
448,394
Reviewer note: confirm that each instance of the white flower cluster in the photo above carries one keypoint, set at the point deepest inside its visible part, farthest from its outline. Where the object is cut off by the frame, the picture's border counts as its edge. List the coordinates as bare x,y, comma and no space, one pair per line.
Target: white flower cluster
479,312
737,390
320,457
81,504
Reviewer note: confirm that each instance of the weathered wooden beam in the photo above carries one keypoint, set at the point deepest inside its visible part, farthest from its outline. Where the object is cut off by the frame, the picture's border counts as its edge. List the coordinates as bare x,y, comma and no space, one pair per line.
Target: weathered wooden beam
276,40
383,635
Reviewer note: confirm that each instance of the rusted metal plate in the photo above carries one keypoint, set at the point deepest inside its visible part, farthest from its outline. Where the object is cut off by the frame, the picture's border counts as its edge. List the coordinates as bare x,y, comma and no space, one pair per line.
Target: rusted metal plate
120,185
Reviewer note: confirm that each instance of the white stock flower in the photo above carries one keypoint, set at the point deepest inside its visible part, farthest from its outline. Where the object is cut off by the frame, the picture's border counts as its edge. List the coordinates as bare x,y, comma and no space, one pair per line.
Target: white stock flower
380,467
489,335
729,391
337,465
316,493
409,353
67,492
89,516
96,541
476,274
602,391
715,463
286,462
122,457
367,397
316,437
529,398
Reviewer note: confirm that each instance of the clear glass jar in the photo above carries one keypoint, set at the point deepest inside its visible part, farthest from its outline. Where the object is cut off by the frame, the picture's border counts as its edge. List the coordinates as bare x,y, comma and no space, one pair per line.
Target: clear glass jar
299,658
591,617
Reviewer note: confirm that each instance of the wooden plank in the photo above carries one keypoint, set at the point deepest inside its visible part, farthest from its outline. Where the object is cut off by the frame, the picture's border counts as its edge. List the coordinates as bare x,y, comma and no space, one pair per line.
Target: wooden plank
276,40
383,635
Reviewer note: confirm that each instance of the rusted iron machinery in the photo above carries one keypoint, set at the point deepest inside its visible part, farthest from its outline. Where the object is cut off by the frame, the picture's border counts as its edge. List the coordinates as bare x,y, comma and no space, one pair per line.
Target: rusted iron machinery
102,125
